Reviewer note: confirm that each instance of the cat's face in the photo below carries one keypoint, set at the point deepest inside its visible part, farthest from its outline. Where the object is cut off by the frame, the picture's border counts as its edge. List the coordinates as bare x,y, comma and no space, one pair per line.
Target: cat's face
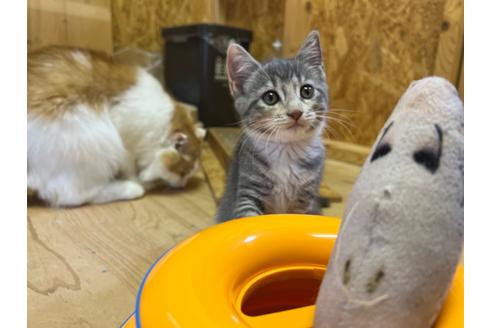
177,160
180,160
281,100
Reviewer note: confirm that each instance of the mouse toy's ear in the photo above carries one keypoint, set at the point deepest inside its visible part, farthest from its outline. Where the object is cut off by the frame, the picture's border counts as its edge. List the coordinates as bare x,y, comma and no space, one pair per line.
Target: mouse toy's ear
240,66
310,51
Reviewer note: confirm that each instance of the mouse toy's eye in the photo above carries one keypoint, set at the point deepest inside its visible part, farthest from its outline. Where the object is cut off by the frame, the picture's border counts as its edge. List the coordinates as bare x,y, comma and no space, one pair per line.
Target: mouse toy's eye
307,91
427,158
270,97
381,151
430,157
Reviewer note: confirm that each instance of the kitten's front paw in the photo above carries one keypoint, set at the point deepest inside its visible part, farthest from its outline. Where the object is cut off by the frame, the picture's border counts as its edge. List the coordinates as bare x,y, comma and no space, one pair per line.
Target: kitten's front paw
247,214
133,190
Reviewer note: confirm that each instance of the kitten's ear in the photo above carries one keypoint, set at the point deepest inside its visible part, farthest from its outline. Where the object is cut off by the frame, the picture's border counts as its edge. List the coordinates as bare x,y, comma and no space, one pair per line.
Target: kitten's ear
240,66
200,132
310,51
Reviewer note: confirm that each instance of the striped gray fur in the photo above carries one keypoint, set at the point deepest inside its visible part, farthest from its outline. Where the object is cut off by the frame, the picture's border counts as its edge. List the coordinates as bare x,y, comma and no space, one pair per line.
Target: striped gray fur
277,165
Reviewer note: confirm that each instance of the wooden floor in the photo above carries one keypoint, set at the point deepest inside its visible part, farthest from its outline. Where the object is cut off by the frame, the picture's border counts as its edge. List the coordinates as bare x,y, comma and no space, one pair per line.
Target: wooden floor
85,264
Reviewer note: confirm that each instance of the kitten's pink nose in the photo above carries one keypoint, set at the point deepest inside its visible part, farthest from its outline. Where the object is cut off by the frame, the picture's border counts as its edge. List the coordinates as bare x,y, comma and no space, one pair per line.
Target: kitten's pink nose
295,114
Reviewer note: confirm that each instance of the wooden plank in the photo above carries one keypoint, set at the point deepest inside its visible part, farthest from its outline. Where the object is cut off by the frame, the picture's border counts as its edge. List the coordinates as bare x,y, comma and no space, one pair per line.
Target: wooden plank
341,176
296,25
70,22
89,25
85,264
346,152
217,11
223,142
461,84
46,23
213,171
450,48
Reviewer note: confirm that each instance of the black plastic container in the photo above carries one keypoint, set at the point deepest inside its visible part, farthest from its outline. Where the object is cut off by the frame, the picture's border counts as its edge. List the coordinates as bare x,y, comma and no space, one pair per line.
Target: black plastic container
194,68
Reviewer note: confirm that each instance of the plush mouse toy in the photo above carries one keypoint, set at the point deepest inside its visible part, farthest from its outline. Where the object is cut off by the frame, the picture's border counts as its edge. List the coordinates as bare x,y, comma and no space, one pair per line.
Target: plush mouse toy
402,233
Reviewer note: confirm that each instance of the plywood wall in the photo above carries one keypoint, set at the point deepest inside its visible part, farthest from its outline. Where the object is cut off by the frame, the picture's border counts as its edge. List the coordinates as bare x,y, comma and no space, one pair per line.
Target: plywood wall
82,23
138,23
372,50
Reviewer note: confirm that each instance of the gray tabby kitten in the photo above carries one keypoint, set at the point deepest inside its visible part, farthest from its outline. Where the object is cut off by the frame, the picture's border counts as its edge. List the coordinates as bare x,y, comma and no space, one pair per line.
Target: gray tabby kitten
278,164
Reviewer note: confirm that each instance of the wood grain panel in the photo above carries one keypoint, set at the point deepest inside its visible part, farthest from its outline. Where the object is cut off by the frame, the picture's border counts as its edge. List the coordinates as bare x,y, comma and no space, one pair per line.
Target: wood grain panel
138,24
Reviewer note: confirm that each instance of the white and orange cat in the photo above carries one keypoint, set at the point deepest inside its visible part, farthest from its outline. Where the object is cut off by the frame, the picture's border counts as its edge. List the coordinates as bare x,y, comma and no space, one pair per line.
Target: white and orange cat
98,131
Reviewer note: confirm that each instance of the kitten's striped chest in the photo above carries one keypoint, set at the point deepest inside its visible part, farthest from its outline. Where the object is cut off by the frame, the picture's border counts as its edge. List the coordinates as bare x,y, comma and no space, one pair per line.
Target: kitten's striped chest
289,179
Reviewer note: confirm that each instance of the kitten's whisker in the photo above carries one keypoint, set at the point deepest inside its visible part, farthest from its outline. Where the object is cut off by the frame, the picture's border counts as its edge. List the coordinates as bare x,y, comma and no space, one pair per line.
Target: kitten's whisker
257,133
276,129
344,118
343,126
340,116
341,122
338,110
334,134
348,125
273,127
342,133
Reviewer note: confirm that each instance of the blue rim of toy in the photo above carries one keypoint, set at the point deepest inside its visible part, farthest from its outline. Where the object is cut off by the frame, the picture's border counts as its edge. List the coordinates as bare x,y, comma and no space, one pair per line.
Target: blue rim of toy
142,284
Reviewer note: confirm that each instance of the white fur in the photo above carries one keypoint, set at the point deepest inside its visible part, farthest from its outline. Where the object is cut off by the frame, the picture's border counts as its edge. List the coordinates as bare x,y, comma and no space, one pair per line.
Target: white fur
74,159
142,118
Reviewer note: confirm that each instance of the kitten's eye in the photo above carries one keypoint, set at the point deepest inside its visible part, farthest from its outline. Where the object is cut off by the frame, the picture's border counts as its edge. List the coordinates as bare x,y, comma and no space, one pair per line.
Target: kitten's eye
270,97
307,91
381,151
